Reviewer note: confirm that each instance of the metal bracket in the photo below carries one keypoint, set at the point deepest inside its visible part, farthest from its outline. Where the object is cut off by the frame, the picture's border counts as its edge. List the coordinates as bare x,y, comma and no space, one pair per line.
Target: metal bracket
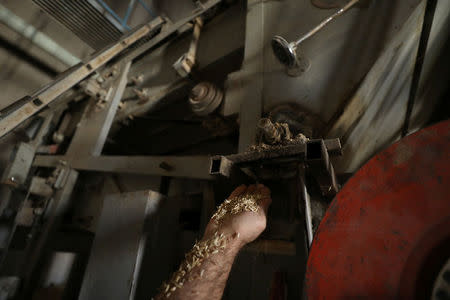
186,62
17,171
314,153
286,153
320,166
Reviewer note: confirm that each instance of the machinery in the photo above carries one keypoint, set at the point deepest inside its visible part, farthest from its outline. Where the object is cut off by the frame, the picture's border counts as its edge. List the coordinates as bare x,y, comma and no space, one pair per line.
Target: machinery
114,167
404,256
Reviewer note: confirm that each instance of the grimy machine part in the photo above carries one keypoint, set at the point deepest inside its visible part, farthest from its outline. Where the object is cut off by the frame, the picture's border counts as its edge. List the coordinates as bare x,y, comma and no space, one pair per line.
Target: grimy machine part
286,52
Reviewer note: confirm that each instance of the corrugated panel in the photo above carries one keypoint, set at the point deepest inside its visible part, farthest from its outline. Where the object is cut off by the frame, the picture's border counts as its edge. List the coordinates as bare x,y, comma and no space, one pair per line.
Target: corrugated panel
83,19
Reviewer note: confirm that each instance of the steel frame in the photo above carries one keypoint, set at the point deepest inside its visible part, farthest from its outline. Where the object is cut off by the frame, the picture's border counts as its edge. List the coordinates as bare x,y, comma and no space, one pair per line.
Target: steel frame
86,146
26,107
131,4
84,151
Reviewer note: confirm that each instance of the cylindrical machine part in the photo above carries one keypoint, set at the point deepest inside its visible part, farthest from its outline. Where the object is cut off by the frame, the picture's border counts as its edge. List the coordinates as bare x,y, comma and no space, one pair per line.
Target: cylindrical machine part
305,198
205,98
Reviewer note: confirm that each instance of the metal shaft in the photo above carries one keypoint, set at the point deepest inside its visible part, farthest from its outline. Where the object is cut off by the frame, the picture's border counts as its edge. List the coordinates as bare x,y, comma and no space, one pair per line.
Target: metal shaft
304,195
325,22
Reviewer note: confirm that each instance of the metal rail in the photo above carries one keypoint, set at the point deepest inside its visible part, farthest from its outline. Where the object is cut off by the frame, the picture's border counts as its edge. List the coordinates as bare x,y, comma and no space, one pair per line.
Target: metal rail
174,166
71,77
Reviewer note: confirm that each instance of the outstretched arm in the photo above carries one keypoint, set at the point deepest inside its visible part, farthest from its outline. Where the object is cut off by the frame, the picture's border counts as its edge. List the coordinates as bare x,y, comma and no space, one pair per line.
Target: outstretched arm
239,220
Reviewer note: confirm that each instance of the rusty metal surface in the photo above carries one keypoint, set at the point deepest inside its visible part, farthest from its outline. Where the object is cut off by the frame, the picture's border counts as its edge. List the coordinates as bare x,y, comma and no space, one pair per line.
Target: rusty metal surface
389,227
297,150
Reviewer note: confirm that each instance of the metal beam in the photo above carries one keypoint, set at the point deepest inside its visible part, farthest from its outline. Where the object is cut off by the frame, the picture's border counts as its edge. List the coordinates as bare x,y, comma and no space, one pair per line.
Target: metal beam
94,126
420,58
70,78
246,86
168,30
113,268
37,251
174,166
295,152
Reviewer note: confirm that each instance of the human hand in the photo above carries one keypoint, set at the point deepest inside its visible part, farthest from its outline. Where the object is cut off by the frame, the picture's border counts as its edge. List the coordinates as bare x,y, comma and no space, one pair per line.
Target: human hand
243,215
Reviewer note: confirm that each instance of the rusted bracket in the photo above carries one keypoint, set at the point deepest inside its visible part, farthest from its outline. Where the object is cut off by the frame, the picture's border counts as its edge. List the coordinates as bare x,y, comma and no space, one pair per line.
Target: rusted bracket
315,153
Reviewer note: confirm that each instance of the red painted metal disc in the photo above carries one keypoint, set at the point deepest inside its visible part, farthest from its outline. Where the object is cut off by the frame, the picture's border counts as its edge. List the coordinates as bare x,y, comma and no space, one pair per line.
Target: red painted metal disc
387,232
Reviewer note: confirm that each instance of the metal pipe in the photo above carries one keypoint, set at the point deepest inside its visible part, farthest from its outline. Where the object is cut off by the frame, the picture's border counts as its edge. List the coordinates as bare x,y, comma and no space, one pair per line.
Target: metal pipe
27,58
286,51
112,13
325,22
306,204
420,57
36,37
150,12
128,12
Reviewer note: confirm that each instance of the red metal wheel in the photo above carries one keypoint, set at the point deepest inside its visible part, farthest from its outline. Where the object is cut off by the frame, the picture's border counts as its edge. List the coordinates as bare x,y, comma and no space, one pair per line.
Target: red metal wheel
387,233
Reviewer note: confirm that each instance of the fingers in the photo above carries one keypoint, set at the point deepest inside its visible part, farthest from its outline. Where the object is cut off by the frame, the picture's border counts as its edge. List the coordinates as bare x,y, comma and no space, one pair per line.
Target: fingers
263,190
260,189
238,191
251,189
266,200
265,203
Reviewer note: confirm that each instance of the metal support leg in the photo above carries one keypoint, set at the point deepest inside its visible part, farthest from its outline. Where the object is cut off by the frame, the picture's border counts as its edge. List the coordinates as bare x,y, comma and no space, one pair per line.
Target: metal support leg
96,122
36,252
305,200
118,246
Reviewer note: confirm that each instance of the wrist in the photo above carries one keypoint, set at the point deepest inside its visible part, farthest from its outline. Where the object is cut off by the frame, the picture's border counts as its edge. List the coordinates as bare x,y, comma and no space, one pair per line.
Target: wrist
234,241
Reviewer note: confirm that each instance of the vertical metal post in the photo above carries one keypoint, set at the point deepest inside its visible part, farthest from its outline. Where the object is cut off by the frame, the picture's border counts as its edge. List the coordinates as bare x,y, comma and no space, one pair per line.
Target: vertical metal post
253,72
118,247
111,12
37,251
147,8
128,13
306,201
94,126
